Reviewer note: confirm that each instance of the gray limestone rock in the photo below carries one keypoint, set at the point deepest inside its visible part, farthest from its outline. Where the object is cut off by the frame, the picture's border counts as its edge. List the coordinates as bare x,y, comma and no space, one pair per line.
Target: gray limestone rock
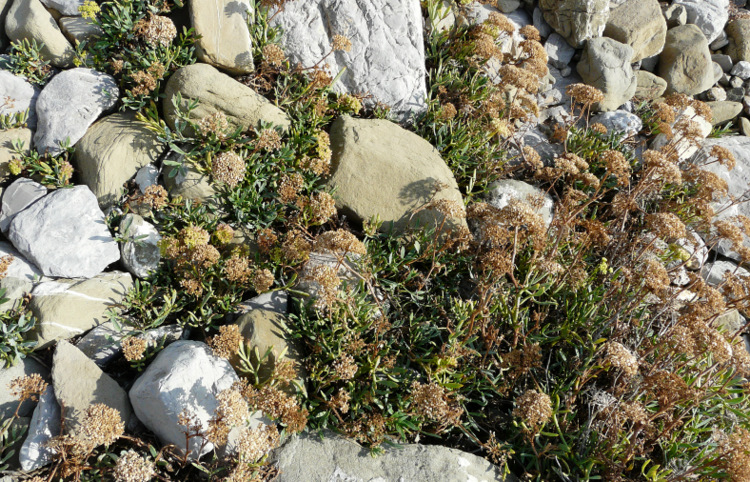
9,403
277,301
559,51
140,253
620,121
381,169
541,24
111,152
22,193
576,20
104,343
685,63
65,234
184,377
79,383
716,94
66,308
724,61
188,183
732,321
28,19
335,458
146,176
741,69
65,7
79,29
605,64
224,34
709,15
638,23
675,15
18,95
386,58
714,272
44,426
69,104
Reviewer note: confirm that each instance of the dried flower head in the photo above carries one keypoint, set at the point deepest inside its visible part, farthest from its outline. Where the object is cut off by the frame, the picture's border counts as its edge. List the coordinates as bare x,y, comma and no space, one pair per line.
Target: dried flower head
339,241
434,403
584,94
724,156
28,387
666,225
341,43
290,187
273,54
100,425
133,348
268,139
216,124
229,168
226,342
616,355
154,196
231,411
735,458
262,280
255,443
133,467
5,263
534,408
224,234
345,367
237,269
156,30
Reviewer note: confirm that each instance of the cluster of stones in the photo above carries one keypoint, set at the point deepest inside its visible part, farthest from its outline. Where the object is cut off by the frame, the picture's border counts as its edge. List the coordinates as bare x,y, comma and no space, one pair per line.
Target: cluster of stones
66,258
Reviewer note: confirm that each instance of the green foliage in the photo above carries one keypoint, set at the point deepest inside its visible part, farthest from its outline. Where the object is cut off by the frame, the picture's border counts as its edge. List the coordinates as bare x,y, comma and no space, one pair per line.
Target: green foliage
52,171
13,121
25,59
15,325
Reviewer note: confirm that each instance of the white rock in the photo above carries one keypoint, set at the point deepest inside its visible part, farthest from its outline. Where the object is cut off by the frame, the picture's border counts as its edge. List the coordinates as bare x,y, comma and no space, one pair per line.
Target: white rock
620,121
501,192
146,176
18,95
714,272
104,343
683,147
387,54
140,253
541,24
69,104
184,377
741,69
22,193
559,51
45,425
709,15
65,234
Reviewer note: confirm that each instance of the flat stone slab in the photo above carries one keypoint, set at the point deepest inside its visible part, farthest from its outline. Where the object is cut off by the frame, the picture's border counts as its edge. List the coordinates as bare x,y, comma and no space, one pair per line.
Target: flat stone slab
65,234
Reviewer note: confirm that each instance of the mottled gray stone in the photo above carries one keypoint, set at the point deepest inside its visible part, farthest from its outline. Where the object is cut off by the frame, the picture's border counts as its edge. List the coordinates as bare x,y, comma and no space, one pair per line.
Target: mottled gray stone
18,95
724,61
146,176
104,343
714,272
741,69
605,64
277,301
22,193
724,111
576,20
685,63
387,54
28,19
64,7
79,29
140,252
559,51
44,426
708,15
649,86
639,24
738,32
620,121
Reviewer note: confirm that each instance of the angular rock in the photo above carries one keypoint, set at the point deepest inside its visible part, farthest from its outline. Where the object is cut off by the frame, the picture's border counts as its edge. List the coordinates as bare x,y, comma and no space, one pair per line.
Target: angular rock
65,308
576,20
65,234
7,153
44,426
89,385
69,104
381,169
140,253
19,279
649,86
111,152
64,7
533,137
224,35
22,367
559,51
386,58
18,95
22,193
675,15
724,61
335,458
217,92
500,193
741,69
104,343
720,42
714,272
540,23
738,32
28,19
620,121
146,176
605,64
724,111
79,29
716,94
745,126
184,377
709,15
639,24
556,93
685,63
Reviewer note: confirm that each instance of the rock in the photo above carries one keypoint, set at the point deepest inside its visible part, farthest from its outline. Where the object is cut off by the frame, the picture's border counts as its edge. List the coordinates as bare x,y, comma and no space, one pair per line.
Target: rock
7,153
69,104
65,308
266,330
217,92
19,279
370,180
533,137
79,29
735,94
709,16
308,456
65,234
639,24
545,30
724,111
745,126
22,193
104,343
741,69
738,32
22,367
111,152
4,7
184,377
44,426
732,322
685,63
560,53
277,301
716,94
605,64
191,184
18,95
556,94
724,61
620,121
718,73
140,253
720,42
89,385
224,35
28,19
146,176
683,147
500,193
508,6
576,20
649,86
344,264
64,7
386,58
714,272
675,15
